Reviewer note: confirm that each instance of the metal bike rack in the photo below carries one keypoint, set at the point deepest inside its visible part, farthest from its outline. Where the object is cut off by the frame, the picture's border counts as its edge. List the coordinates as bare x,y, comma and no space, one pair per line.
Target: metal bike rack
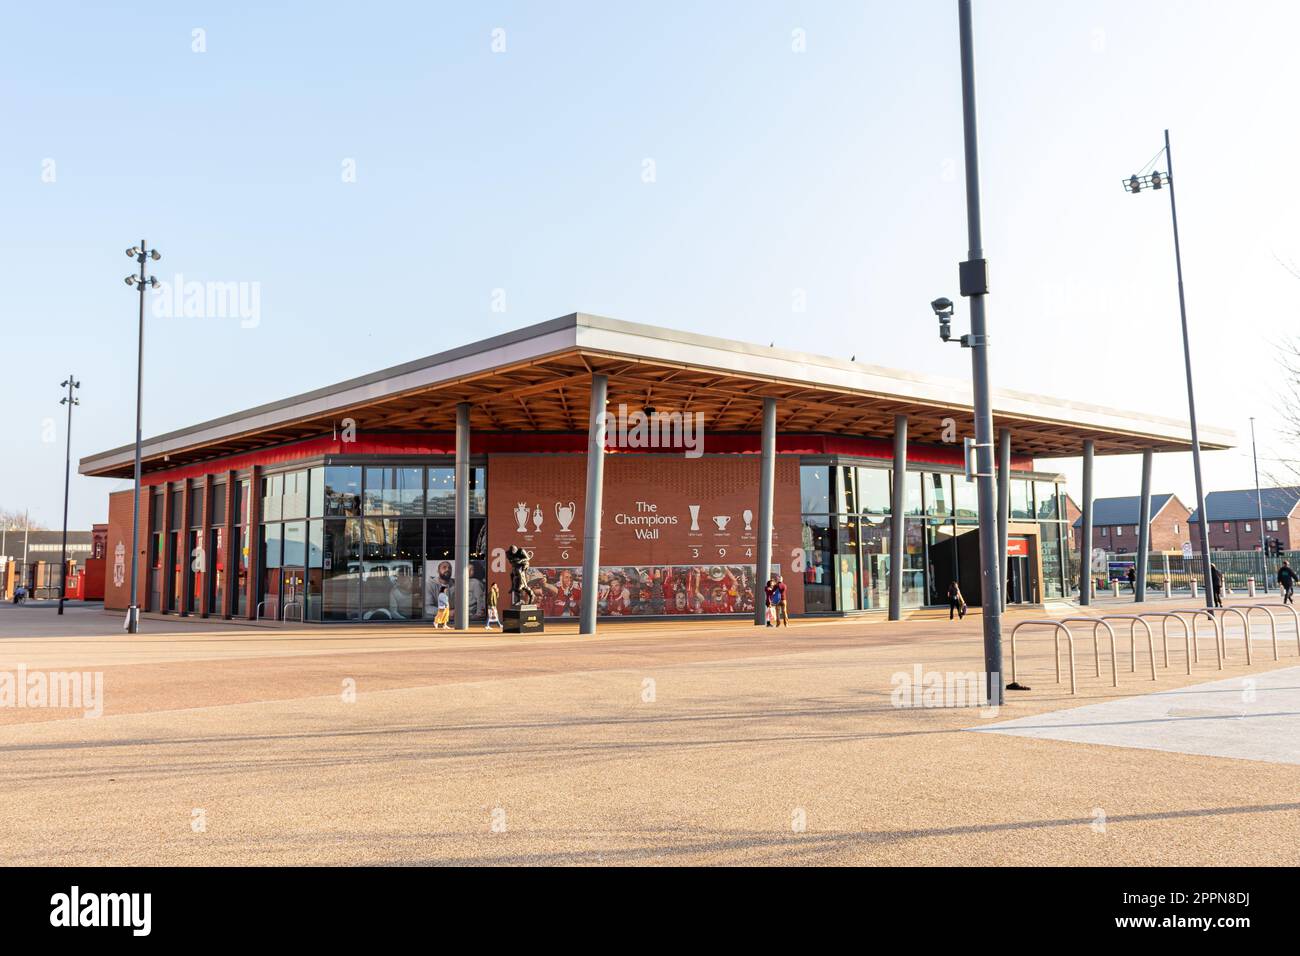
1214,621
293,605
1097,622
1223,628
1058,627
1295,616
1133,622
1165,617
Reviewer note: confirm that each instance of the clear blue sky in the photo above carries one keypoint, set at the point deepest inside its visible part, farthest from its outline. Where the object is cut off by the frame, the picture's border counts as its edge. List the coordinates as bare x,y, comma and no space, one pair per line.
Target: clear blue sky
836,171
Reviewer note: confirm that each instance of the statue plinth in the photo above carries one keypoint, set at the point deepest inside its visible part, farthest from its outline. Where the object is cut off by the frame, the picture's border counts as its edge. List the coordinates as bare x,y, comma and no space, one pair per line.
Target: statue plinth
525,619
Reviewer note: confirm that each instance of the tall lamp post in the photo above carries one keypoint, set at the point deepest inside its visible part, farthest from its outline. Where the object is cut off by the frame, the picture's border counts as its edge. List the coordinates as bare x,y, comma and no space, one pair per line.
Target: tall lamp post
1154,180
140,254
1259,504
974,283
69,400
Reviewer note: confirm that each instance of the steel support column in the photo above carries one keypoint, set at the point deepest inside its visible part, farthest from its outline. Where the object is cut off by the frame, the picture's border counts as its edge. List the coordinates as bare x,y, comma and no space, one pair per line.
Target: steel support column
897,519
1085,537
461,594
766,483
1004,504
1144,529
591,518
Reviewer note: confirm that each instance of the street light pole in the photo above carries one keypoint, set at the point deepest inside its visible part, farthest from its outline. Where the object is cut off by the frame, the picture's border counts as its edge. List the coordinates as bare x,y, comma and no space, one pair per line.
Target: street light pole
974,284
1136,184
141,255
68,400
1259,503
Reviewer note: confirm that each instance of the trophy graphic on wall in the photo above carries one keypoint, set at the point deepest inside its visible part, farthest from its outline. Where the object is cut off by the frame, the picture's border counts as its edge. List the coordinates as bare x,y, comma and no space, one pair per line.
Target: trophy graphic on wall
537,517
695,517
521,517
749,519
564,514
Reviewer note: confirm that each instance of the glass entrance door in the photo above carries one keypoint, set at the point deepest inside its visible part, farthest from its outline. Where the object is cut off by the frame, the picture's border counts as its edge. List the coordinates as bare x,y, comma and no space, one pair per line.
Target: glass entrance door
295,590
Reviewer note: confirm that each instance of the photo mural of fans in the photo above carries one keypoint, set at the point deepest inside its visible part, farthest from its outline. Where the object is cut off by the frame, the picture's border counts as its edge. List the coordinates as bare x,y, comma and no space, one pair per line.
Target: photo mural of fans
629,591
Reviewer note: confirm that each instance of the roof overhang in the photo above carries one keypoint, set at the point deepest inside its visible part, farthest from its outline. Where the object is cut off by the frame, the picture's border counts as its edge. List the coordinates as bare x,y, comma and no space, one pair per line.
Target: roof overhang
538,379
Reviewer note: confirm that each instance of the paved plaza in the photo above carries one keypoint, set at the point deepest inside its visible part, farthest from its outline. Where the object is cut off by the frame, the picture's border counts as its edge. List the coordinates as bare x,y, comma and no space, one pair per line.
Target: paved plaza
650,744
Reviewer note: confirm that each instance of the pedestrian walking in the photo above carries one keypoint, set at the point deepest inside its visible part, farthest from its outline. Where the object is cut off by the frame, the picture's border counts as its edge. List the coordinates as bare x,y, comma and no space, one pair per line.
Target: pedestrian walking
1131,576
444,611
493,599
769,601
1216,580
782,613
1286,579
956,603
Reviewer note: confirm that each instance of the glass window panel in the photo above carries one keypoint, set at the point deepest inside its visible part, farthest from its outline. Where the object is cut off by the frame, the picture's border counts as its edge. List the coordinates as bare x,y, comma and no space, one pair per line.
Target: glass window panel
391,570
218,499
817,548
478,492
272,493
174,510
440,540
316,492
938,495
294,552
343,491
242,560
846,564
295,495
197,494
315,544
873,490
272,545
912,500
874,535
845,499
394,491
241,502
442,492
1053,571
966,497
341,590
1022,508
815,489
1045,495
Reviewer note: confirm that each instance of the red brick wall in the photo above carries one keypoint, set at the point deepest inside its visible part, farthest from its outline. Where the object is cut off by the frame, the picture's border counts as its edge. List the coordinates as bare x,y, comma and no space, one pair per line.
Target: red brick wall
1163,536
116,596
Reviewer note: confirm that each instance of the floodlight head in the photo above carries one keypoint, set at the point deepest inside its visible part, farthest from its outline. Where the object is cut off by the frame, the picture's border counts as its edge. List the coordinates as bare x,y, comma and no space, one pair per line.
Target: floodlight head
132,252
1134,184
129,280
1156,182
155,255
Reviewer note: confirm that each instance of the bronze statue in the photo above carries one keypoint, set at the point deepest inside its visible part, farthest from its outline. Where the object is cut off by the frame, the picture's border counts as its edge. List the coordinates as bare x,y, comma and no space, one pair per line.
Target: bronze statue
521,593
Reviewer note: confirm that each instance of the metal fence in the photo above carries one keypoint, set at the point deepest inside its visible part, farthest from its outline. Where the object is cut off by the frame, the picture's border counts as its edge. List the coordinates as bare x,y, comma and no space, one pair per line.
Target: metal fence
1236,566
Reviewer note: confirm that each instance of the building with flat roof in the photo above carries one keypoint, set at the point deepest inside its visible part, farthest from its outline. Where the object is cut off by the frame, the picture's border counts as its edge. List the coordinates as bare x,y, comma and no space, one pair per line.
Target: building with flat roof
720,460
1234,518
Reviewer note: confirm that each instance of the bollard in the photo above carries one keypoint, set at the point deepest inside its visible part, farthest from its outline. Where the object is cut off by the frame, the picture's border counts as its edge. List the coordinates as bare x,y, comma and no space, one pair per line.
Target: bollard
1169,588
1114,587
1250,587
1193,588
